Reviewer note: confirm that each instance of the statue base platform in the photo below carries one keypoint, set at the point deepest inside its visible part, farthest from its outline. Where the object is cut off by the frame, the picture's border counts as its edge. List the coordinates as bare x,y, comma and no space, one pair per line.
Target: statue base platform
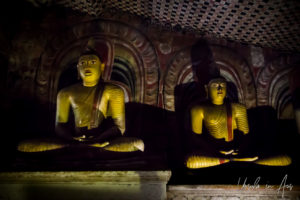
232,192
121,185
84,185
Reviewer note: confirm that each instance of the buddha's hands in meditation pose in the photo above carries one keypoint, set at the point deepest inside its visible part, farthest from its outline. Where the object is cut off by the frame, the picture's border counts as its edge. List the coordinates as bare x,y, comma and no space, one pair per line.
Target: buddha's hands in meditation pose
92,102
221,119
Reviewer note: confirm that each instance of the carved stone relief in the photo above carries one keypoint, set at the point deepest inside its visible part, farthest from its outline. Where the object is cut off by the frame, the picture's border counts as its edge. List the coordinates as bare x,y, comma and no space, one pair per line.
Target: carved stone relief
233,67
273,84
23,61
117,34
279,93
175,75
257,56
35,69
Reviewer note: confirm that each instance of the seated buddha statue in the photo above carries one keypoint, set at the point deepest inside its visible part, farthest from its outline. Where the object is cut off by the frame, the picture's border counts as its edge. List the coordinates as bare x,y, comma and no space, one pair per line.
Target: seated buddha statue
221,121
92,102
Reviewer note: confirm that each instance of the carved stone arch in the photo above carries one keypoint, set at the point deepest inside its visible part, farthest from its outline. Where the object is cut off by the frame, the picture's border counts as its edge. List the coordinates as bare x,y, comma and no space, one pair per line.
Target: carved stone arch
273,87
115,33
264,79
132,61
279,93
179,67
230,75
277,85
266,76
232,67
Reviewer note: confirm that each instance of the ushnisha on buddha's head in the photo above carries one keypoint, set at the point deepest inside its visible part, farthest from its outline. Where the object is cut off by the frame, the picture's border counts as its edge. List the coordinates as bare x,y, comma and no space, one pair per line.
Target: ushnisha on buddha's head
216,90
203,62
90,68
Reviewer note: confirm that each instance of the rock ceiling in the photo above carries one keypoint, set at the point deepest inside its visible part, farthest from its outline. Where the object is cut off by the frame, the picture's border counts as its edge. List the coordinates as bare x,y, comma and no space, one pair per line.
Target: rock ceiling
265,23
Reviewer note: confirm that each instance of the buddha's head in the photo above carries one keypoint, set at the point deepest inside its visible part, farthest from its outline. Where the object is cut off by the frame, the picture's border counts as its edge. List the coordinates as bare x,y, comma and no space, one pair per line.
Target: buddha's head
216,90
90,68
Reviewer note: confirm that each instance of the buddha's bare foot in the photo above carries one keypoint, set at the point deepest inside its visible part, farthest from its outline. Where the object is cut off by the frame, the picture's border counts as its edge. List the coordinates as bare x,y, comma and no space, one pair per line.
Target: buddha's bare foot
281,160
195,161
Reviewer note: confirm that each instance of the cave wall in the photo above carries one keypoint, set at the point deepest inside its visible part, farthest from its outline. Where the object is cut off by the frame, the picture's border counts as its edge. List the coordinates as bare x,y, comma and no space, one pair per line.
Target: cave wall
42,44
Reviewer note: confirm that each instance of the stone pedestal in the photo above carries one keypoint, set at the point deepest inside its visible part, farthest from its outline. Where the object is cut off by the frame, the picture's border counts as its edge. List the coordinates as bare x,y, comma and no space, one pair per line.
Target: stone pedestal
119,185
232,192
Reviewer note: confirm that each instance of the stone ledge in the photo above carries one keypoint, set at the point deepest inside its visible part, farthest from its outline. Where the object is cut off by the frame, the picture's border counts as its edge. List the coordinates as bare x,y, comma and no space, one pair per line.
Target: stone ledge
85,176
232,192
85,185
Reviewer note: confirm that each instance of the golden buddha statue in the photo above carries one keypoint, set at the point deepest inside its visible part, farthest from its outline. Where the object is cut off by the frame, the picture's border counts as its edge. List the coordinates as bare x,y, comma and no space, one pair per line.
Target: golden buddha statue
221,118
92,102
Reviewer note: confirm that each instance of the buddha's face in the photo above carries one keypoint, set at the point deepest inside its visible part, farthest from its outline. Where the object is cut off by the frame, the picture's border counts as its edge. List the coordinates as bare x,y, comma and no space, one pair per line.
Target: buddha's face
217,91
89,67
